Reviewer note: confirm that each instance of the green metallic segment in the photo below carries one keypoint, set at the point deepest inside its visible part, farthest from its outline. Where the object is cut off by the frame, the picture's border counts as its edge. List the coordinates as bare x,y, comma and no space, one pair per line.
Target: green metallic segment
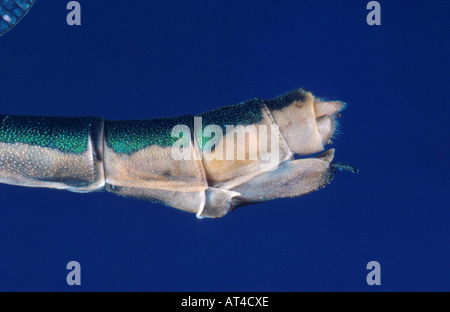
130,136
286,99
245,113
66,134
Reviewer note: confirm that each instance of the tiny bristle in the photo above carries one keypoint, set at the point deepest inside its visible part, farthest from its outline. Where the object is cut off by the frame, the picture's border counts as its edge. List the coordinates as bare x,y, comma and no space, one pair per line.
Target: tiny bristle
344,167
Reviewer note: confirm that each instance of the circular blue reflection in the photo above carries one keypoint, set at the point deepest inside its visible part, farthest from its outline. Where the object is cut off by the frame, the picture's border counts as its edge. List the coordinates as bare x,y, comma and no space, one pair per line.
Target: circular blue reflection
11,12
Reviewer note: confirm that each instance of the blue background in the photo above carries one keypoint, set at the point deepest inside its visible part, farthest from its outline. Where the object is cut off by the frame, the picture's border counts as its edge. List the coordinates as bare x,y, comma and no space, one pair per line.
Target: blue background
147,59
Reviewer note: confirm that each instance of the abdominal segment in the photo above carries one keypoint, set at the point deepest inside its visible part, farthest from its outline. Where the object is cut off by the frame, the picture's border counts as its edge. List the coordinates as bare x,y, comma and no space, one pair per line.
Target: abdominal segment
62,153
208,164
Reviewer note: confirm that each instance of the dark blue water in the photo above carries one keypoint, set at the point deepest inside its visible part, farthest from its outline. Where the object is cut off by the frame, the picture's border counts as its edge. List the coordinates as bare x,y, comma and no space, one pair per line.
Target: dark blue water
185,57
